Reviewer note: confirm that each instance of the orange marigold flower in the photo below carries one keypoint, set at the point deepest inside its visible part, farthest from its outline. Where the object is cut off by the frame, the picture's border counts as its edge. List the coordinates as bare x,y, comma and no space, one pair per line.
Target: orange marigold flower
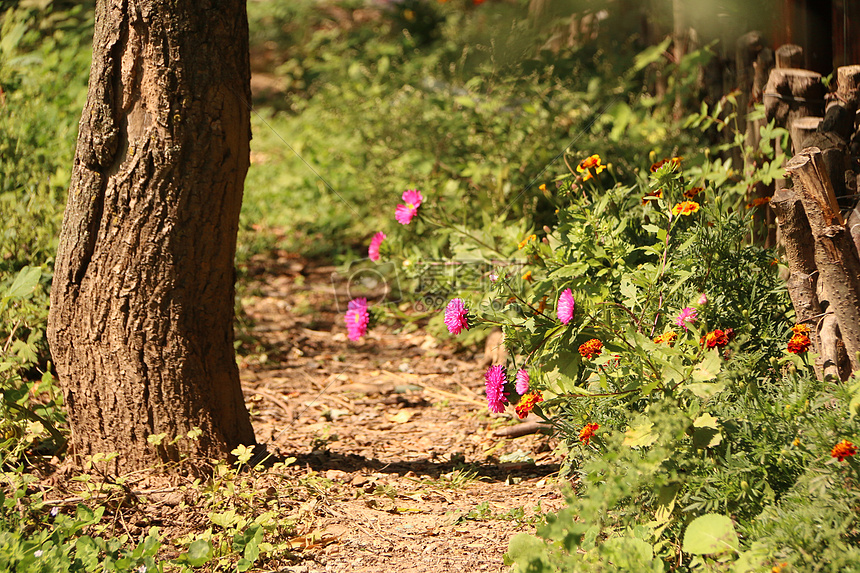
800,329
685,208
587,433
590,348
842,450
675,161
799,344
527,403
527,276
758,202
525,241
542,187
586,165
658,194
715,339
667,337
693,191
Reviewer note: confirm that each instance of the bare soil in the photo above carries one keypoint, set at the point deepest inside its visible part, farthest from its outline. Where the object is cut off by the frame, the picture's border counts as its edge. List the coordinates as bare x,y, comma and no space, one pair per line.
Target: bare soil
396,464
397,422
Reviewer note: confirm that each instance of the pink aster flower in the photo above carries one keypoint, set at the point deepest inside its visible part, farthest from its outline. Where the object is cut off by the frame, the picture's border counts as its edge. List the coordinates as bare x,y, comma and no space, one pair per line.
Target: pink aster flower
404,213
565,307
456,316
375,242
496,397
357,318
522,382
703,300
687,315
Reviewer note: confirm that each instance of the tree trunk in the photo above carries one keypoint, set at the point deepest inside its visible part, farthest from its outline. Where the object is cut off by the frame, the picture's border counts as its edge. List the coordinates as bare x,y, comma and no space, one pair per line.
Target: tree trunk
141,315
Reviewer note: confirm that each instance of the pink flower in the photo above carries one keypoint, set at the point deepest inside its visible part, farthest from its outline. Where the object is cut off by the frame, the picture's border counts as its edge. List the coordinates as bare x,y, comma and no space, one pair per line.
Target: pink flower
565,307
375,242
404,213
703,300
522,382
456,316
357,318
496,397
687,315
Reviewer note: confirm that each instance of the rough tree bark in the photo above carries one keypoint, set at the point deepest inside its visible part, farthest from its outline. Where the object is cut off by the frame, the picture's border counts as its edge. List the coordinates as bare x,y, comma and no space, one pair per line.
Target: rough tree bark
141,315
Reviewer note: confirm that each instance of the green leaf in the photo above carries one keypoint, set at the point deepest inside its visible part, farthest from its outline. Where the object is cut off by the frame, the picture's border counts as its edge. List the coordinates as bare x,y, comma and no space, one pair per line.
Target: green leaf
710,534
25,282
628,553
199,553
640,436
706,432
528,551
709,367
651,55
705,390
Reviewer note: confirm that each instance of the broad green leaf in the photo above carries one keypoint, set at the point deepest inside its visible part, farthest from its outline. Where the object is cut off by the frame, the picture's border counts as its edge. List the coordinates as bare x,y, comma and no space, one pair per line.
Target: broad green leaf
705,390
199,552
24,284
628,553
706,432
640,436
710,534
709,367
628,291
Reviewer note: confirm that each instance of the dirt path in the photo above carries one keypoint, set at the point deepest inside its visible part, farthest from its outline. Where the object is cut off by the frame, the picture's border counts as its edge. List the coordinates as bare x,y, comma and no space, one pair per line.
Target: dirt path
396,427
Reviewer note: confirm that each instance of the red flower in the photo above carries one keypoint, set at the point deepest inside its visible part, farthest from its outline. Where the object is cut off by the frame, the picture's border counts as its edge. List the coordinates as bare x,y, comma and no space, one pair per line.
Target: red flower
717,338
591,348
587,433
799,344
843,449
527,403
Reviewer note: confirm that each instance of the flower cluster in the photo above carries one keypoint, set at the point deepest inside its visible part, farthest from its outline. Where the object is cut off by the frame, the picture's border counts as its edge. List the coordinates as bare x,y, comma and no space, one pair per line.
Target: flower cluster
525,241
587,433
457,316
685,208
586,165
357,318
718,338
668,337
527,403
843,449
800,341
495,385
590,348
405,211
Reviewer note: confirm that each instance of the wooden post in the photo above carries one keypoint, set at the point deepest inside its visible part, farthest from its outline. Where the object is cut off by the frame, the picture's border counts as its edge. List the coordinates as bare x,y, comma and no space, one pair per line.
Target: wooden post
793,93
801,128
800,256
836,257
789,56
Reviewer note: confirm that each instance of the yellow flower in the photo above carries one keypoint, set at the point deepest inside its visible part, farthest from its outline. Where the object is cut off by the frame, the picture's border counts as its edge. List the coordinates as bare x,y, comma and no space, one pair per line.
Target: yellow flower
667,337
527,276
685,208
542,187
